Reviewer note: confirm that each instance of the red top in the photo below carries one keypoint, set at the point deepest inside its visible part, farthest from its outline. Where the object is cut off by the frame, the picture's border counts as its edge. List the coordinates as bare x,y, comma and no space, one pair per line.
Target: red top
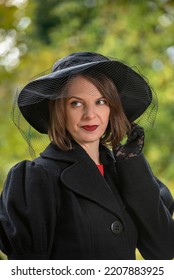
101,168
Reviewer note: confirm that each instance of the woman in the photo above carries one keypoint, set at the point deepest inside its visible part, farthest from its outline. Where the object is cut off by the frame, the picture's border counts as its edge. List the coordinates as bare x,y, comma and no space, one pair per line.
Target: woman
79,200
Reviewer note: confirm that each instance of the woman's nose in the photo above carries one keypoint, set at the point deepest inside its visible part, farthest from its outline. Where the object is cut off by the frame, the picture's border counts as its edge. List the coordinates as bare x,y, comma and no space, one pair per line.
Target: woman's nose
89,112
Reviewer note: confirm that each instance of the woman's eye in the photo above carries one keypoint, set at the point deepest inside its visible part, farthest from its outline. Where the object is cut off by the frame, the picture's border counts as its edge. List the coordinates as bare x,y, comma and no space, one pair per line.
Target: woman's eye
101,102
76,104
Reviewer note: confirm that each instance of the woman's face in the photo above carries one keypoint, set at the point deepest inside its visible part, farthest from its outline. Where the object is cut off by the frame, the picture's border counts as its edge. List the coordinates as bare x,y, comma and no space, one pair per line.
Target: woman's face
87,111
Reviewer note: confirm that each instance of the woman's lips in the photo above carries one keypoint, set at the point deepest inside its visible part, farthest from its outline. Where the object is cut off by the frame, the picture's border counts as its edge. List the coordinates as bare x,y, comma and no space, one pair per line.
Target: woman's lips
90,127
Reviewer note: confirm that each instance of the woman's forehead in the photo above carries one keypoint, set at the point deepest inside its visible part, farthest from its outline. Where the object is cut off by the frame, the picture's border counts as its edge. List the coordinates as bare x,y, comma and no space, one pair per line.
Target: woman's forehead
80,86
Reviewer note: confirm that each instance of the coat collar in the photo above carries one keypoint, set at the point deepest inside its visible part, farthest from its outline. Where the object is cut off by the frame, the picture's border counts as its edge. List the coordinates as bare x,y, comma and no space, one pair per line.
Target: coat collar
76,154
82,176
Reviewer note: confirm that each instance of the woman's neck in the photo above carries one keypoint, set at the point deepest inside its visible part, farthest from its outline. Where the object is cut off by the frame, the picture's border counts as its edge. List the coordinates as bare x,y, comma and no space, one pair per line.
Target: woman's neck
92,150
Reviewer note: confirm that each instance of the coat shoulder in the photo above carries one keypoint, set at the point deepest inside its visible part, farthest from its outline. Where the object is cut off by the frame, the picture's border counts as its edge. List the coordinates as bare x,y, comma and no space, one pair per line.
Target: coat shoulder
54,167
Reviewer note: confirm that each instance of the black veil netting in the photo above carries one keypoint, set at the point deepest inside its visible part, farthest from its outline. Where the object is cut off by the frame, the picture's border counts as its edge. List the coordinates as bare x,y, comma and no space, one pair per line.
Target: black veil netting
30,108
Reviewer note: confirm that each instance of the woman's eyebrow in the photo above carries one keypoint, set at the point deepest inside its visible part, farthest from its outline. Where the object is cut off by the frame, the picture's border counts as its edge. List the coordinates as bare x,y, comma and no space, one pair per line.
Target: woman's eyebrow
76,97
79,98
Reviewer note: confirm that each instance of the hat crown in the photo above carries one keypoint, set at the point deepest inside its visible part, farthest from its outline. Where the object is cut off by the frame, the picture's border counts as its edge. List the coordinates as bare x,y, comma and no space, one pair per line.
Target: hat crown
78,58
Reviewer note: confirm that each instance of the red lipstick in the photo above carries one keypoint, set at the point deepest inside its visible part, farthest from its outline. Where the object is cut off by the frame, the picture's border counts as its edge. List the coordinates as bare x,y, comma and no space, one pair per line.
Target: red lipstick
90,127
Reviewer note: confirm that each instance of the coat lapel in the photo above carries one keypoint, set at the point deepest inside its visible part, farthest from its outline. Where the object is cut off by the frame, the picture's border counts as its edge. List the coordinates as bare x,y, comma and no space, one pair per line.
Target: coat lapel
83,177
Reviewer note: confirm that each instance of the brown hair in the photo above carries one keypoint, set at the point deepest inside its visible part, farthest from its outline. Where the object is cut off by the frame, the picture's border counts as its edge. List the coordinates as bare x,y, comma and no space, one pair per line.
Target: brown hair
118,124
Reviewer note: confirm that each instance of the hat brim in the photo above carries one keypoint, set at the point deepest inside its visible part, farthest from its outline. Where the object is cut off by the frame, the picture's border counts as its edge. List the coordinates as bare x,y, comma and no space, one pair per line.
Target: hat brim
134,91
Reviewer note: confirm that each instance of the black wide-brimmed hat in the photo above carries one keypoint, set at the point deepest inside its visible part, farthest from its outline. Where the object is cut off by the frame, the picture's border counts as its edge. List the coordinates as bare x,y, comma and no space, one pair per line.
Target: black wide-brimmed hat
135,93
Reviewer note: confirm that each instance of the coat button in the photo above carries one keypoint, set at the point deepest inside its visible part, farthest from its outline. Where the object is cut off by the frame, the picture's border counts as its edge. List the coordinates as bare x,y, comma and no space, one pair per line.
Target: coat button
117,227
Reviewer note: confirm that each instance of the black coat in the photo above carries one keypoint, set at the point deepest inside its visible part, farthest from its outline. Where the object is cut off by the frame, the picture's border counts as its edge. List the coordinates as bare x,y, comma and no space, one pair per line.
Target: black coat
59,206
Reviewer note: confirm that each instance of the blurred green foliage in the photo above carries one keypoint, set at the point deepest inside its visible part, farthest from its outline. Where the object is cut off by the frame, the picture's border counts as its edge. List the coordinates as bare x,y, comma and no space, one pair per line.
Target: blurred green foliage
33,35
